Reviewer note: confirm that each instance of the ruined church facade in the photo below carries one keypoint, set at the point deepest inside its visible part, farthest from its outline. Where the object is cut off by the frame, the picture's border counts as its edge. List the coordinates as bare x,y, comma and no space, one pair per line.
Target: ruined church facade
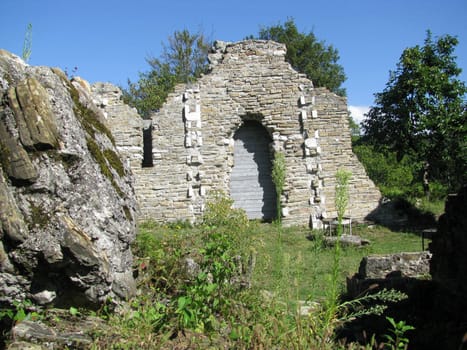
221,133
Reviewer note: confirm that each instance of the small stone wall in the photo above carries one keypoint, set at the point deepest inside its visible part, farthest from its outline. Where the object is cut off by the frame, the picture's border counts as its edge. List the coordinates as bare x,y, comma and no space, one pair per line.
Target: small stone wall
192,137
413,264
392,271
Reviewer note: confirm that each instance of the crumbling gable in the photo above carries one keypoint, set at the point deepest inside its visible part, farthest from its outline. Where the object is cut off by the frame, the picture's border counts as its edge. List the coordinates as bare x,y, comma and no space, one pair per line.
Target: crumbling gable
209,135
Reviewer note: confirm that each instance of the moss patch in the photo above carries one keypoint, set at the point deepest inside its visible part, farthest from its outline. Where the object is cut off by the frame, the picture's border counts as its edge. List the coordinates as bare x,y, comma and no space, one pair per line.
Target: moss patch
114,161
100,158
127,212
4,156
88,118
39,217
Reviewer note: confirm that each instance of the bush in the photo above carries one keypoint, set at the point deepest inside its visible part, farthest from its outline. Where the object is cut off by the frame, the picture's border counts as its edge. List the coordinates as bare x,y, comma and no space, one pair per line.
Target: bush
393,178
220,213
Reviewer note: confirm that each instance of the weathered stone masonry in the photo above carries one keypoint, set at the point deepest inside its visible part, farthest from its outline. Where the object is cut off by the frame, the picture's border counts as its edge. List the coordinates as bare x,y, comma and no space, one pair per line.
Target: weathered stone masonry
192,137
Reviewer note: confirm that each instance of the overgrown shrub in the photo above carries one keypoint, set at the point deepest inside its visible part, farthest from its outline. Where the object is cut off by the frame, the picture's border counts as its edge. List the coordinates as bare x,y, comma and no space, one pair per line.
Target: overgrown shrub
393,178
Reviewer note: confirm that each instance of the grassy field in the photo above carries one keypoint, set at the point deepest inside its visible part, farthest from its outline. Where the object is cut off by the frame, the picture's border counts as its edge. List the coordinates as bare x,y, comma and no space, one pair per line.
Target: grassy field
296,267
208,312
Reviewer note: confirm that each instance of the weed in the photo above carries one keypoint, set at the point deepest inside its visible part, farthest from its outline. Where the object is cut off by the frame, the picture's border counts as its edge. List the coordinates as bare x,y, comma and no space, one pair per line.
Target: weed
209,309
219,213
27,44
74,311
396,339
23,310
278,178
326,327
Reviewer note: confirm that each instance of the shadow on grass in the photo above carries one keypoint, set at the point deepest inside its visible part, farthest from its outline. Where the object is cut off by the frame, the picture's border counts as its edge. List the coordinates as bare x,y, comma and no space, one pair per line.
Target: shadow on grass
399,214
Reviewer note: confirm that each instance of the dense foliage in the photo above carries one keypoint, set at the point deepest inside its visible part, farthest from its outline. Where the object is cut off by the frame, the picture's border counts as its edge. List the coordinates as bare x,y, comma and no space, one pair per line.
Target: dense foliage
394,178
183,60
308,55
201,287
421,115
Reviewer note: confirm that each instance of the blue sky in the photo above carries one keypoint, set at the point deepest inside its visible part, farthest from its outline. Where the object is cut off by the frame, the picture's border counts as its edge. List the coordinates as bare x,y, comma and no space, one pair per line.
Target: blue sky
109,40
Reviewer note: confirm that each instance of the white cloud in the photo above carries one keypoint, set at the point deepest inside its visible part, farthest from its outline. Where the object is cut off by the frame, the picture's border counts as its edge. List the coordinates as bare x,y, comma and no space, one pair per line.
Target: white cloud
357,112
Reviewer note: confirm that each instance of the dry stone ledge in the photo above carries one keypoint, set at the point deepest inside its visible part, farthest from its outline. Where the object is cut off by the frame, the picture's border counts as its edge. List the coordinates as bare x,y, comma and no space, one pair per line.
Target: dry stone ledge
412,264
67,203
399,271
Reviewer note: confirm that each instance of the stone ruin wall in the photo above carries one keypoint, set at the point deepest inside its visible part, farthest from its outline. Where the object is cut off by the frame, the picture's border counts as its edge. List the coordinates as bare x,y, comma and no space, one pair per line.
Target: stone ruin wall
192,137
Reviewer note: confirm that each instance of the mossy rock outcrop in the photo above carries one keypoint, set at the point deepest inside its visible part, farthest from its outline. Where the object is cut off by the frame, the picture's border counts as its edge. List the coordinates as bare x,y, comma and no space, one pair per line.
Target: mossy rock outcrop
67,204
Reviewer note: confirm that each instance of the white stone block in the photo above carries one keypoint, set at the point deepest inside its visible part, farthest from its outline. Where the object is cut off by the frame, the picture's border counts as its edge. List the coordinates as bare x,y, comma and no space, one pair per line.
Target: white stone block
202,191
188,141
285,211
302,100
196,159
317,134
316,224
314,114
304,116
190,192
311,143
192,116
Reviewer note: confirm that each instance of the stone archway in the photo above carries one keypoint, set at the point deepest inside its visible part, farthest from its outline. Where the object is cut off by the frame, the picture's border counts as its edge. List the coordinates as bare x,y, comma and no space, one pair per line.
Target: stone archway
251,186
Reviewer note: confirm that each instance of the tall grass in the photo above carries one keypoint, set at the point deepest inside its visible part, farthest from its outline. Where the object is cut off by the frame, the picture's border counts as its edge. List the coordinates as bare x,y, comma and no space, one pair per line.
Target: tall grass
210,307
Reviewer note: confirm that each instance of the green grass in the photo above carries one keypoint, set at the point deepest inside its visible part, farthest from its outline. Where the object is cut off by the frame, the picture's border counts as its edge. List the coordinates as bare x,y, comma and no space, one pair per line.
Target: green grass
289,266
295,267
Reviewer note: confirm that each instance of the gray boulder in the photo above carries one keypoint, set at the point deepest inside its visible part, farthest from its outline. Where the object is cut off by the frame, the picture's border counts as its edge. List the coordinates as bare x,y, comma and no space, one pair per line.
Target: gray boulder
67,204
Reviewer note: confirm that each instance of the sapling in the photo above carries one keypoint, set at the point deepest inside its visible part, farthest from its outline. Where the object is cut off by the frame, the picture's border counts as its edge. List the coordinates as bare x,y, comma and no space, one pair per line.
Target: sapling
27,44
278,177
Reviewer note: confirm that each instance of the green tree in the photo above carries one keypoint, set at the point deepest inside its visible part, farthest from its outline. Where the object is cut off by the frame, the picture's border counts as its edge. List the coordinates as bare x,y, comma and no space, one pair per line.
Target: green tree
187,55
354,129
394,178
308,55
150,91
183,60
421,114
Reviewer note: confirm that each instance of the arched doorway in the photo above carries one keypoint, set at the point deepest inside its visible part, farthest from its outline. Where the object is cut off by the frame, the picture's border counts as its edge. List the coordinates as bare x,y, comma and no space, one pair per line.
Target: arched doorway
251,186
